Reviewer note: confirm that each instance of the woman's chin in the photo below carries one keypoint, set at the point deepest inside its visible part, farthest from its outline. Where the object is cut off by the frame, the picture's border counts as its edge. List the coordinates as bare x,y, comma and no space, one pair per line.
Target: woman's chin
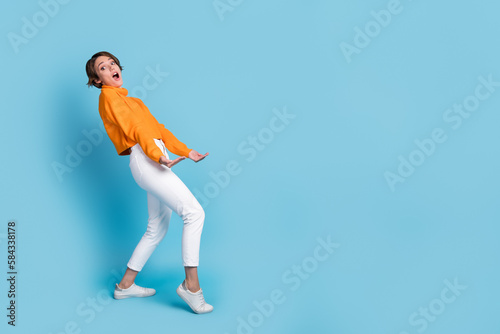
116,84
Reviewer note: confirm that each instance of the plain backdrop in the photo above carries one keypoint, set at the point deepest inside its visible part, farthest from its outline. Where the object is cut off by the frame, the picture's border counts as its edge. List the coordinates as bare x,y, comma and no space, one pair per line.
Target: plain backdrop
365,85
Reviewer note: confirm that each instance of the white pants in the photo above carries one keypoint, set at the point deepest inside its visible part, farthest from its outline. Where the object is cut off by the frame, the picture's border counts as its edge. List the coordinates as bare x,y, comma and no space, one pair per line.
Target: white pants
166,193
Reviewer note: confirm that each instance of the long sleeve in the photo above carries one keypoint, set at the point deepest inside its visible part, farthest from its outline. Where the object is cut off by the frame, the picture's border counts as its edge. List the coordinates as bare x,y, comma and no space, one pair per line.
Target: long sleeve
132,122
173,144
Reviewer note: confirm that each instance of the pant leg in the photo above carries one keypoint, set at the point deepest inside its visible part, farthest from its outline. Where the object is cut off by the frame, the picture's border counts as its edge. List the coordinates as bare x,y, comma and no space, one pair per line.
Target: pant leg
158,222
165,185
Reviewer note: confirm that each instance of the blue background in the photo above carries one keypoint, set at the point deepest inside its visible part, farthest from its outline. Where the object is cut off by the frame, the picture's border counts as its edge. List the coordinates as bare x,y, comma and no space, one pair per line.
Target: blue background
323,175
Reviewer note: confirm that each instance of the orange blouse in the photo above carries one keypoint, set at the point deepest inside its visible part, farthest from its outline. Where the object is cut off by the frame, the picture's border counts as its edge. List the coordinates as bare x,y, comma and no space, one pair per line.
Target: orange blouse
128,122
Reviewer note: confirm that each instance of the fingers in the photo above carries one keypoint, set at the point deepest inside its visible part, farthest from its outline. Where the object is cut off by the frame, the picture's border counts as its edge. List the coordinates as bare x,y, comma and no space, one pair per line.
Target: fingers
201,157
196,156
171,163
176,161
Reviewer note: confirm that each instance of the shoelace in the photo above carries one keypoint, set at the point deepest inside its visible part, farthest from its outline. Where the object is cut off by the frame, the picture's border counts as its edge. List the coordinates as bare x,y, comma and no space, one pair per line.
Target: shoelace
142,289
202,299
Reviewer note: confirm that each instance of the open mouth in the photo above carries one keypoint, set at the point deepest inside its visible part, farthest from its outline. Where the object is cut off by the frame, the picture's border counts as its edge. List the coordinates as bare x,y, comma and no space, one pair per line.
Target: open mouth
116,76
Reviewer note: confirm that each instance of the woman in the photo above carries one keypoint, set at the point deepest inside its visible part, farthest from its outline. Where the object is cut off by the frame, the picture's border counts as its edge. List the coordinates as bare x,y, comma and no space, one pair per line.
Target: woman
134,131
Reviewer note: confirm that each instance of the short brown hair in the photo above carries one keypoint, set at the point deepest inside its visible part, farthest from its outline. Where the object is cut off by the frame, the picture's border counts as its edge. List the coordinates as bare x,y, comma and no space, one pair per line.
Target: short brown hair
91,72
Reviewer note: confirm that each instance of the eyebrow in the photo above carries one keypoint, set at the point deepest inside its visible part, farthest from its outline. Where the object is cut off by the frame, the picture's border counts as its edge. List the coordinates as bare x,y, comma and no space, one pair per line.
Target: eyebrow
101,63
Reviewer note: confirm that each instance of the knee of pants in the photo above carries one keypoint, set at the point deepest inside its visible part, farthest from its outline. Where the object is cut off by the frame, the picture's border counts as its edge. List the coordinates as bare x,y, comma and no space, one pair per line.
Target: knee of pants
155,235
195,215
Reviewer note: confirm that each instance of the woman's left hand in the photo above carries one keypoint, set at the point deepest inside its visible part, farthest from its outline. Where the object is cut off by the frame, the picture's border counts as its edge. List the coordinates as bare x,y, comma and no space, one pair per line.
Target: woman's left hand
195,156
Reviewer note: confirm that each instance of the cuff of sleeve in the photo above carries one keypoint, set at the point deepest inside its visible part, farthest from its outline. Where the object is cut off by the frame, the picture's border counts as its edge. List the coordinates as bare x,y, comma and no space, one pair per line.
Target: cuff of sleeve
155,156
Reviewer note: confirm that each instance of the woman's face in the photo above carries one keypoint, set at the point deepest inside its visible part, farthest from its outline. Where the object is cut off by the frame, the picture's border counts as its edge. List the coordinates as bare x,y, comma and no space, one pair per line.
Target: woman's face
108,72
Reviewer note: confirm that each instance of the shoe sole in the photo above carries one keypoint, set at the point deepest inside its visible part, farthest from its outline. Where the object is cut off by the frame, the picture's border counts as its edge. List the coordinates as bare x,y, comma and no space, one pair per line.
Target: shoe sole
128,296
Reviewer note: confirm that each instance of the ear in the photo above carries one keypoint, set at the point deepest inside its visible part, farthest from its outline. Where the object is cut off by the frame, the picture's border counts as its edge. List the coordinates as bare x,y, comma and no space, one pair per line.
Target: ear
97,81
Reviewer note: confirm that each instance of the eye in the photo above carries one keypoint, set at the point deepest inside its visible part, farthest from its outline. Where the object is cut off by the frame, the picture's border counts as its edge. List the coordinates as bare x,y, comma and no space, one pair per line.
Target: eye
102,68
112,63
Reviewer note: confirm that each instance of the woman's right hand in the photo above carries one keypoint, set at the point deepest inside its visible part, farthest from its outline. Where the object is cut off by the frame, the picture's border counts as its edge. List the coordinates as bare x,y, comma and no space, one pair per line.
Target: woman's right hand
170,163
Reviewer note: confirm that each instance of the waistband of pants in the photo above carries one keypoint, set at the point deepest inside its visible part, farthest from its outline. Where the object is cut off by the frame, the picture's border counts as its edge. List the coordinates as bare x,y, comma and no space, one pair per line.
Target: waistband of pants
138,149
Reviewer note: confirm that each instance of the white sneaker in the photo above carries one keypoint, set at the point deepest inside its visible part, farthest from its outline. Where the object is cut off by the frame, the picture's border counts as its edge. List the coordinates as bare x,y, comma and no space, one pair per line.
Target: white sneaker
195,300
133,291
